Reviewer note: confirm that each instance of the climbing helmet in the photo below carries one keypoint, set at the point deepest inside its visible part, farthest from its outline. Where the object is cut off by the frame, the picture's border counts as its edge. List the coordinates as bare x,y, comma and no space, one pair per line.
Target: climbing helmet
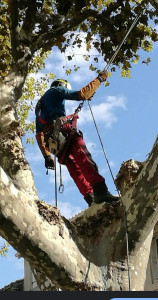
61,82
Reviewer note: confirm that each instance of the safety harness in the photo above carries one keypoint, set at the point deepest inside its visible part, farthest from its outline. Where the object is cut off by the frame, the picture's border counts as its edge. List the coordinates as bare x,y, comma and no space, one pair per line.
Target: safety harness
60,133
73,132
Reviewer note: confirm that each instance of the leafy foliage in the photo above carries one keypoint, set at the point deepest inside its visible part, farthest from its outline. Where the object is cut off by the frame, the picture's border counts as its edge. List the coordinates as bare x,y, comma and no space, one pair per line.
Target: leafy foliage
5,46
30,28
4,249
32,90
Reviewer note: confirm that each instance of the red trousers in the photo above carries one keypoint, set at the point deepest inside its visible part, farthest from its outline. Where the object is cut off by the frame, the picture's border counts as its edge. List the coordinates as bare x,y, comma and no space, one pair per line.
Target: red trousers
81,167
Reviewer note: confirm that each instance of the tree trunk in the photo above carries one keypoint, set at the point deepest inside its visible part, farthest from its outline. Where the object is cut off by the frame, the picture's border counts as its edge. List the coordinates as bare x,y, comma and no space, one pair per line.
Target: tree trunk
12,157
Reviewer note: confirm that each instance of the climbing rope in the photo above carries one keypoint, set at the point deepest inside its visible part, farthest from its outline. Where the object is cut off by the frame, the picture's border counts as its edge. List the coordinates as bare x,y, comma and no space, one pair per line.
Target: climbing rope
80,107
55,177
125,214
122,42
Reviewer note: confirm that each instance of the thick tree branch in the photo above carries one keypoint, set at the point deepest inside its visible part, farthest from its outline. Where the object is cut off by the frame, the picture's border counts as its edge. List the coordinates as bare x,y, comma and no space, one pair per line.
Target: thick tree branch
154,3
93,235
142,199
42,238
69,24
14,20
20,49
29,21
43,282
98,235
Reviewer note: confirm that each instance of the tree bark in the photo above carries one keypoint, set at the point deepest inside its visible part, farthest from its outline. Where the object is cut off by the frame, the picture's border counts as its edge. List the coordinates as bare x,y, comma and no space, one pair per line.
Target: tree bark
87,252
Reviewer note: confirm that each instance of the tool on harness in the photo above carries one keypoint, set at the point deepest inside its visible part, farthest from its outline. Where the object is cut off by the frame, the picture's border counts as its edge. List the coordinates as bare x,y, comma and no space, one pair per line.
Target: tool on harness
61,133
72,120
72,133
55,140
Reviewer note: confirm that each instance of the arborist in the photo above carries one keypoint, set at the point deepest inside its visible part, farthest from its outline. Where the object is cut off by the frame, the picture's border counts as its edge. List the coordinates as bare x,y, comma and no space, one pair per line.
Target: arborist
50,109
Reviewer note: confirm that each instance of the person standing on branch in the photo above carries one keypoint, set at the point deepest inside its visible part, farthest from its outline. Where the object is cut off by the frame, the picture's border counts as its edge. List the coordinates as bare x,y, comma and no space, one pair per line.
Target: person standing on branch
77,158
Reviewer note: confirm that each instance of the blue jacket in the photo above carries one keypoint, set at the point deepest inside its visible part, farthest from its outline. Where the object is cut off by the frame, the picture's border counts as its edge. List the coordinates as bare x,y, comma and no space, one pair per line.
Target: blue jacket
53,105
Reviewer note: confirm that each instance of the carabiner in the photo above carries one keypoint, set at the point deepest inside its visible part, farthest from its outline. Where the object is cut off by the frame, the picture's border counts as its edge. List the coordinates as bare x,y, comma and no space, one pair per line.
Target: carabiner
61,188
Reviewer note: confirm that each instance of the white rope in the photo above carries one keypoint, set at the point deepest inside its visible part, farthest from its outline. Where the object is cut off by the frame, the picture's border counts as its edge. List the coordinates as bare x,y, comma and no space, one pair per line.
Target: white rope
119,47
55,177
125,214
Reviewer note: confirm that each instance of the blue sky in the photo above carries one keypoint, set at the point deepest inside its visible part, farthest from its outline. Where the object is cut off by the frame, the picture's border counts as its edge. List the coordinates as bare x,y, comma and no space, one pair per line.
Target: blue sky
126,115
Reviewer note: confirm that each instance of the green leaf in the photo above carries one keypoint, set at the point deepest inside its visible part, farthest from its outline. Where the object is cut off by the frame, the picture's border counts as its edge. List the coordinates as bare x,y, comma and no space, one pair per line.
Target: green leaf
76,68
92,68
4,249
68,71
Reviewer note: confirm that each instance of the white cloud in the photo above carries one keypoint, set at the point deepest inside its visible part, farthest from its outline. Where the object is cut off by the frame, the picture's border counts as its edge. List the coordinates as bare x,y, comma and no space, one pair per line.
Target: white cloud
103,112
42,196
18,263
65,175
57,60
70,189
11,258
37,76
91,146
67,209
106,169
71,106
34,156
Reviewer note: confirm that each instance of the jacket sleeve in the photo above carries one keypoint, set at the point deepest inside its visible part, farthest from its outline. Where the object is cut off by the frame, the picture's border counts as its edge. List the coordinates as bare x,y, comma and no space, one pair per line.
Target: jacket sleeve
83,94
87,91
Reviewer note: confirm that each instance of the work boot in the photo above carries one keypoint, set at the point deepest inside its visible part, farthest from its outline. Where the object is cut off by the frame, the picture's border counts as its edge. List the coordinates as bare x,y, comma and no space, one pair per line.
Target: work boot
101,193
106,197
89,198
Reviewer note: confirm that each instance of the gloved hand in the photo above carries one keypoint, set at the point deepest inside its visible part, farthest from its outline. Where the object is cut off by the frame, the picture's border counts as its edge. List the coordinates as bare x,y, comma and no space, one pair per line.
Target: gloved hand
90,98
49,162
102,76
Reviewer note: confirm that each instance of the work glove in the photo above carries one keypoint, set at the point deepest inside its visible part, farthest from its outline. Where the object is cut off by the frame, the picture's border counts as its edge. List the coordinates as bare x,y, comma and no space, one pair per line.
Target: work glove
49,162
90,98
102,76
